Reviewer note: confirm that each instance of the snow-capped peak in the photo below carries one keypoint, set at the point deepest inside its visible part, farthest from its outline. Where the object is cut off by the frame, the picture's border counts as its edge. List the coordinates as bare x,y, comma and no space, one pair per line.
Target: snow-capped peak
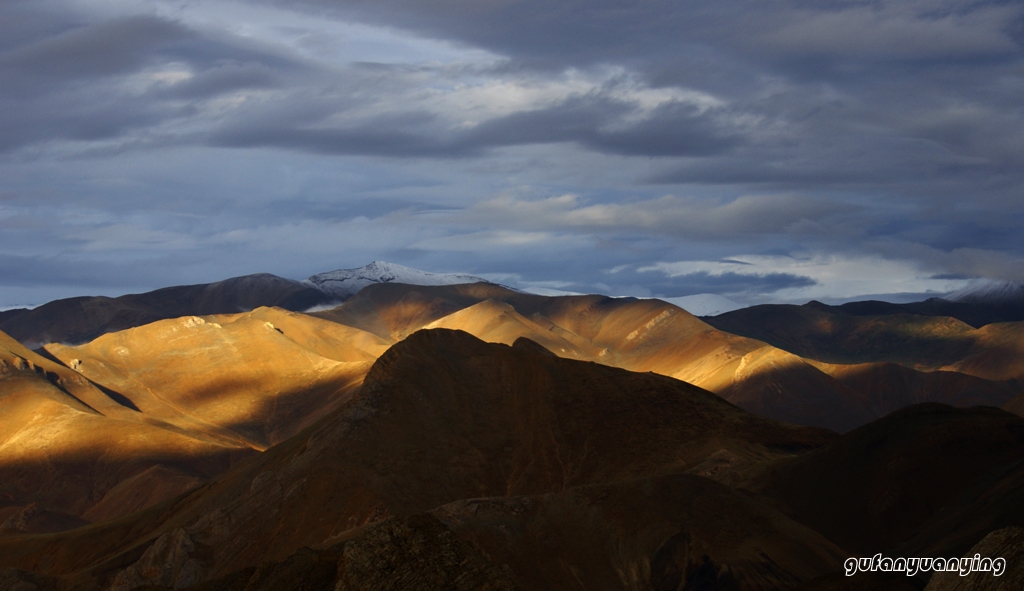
990,292
344,283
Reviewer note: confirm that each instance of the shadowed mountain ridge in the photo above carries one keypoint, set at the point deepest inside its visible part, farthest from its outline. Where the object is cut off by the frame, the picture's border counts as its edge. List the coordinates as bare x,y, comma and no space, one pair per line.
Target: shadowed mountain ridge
82,319
443,416
651,335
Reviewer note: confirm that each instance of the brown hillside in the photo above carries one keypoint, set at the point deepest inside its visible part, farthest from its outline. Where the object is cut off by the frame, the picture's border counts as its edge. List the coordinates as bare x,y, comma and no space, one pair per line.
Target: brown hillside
148,413
250,379
827,333
639,335
928,480
65,448
670,532
443,416
891,387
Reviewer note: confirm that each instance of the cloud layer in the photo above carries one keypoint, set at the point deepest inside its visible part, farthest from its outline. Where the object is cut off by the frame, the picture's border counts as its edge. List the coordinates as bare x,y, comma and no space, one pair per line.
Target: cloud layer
596,146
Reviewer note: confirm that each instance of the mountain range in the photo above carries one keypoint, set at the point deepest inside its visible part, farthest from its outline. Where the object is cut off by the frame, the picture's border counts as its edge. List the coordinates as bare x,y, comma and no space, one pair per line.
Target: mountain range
453,435
82,319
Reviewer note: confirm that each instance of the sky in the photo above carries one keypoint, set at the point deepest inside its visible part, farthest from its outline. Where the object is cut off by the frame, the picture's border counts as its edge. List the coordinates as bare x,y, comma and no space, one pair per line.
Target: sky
762,150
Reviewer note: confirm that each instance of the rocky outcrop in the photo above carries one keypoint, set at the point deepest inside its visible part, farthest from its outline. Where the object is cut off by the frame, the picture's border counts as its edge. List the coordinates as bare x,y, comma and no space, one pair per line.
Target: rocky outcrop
415,553
1006,543
34,519
171,562
12,579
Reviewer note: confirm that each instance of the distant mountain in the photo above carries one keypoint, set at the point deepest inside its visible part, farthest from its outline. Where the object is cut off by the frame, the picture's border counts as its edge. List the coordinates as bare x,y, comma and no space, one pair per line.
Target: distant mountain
872,332
976,308
345,283
990,292
81,319
652,335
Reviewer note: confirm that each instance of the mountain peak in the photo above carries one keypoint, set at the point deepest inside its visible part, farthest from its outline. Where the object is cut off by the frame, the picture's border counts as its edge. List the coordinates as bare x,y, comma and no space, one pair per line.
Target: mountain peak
344,283
990,292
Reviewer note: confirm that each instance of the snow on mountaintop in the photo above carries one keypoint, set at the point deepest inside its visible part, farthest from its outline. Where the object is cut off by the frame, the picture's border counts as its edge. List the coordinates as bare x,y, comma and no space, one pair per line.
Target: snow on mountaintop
344,283
990,292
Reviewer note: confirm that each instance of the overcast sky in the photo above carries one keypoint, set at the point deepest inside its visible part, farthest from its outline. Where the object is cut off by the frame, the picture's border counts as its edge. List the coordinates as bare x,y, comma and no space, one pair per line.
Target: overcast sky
765,151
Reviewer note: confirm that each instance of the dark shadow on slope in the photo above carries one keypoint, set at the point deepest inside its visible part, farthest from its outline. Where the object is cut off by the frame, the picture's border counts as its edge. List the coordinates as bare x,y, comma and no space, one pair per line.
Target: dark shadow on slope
953,473
112,394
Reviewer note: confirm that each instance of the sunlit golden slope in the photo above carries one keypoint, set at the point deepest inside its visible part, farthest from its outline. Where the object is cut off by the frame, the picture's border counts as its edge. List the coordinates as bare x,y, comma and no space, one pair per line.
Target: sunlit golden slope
393,311
498,322
639,335
443,416
184,396
67,447
651,335
996,352
139,416
573,474
249,379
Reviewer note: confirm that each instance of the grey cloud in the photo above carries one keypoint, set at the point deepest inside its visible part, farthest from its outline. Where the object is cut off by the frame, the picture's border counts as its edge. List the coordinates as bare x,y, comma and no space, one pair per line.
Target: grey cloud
76,83
592,121
225,76
25,22
39,270
386,139
80,115
838,126
889,62
680,217
671,130
578,32
732,284
573,31
900,30
102,49
966,261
